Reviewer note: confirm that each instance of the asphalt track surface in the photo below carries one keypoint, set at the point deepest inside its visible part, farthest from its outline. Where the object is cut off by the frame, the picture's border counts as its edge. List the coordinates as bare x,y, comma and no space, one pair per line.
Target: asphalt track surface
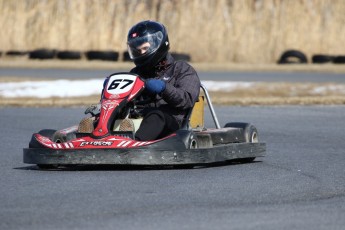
300,184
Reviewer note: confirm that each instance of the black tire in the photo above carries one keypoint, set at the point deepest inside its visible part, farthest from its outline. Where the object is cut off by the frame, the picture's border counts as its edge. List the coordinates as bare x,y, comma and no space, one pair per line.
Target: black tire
44,132
102,55
320,58
16,53
59,137
126,57
34,144
68,55
293,57
181,56
339,60
249,131
250,134
42,54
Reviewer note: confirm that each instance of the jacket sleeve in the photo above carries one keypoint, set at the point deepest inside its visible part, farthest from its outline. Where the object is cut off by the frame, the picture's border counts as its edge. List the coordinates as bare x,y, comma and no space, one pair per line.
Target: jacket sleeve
184,91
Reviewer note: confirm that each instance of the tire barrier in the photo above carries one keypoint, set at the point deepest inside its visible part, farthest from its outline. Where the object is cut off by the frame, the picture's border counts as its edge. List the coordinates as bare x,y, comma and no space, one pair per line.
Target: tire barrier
176,56
16,53
287,57
339,60
293,57
126,57
181,56
68,55
321,58
102,55
42,54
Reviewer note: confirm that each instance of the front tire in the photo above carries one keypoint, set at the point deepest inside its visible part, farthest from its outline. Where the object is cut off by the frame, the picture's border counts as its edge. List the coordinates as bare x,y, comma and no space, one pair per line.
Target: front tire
34,144
44,132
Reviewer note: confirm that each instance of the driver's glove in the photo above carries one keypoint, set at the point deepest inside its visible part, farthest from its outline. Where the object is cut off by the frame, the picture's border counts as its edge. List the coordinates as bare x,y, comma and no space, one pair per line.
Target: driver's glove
155,86
94,109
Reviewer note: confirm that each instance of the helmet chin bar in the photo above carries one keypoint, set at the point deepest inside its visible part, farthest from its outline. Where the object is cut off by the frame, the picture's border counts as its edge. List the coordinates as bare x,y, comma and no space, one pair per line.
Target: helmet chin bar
151,61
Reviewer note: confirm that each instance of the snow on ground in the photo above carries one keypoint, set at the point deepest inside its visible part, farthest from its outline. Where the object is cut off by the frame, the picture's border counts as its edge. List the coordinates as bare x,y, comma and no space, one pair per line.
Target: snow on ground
68,88
80,88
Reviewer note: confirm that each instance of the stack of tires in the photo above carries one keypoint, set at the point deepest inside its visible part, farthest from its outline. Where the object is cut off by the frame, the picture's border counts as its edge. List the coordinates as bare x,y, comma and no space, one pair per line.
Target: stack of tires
322,58
298,57
102,55
42,54
107,55
68,55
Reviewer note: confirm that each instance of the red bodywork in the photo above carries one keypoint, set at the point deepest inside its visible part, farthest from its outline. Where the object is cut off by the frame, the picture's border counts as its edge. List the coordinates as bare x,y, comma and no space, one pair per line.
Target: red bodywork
120,88
91,143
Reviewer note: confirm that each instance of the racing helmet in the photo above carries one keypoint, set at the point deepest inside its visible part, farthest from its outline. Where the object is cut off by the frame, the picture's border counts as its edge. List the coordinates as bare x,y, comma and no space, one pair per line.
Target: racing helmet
147,43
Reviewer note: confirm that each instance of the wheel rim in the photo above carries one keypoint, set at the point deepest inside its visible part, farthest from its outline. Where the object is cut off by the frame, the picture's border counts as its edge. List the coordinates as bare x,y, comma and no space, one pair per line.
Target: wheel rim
254,138
193,144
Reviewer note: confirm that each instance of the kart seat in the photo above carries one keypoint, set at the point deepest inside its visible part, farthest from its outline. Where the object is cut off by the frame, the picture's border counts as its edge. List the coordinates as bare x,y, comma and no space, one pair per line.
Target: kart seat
195,117
196,120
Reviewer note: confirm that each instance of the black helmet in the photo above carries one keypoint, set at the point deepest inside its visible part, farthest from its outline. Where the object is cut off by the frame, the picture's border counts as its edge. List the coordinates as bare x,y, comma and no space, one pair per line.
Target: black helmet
148,43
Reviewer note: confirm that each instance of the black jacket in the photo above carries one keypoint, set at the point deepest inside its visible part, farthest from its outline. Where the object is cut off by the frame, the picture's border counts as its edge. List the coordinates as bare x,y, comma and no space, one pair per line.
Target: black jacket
181,91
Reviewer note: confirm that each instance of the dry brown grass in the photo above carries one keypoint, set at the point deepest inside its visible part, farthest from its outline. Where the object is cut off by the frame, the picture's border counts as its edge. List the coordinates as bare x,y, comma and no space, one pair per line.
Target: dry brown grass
243,31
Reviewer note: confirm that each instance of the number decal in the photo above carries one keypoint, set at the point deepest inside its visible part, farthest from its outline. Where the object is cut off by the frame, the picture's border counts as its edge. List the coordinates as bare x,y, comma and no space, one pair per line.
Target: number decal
120,84
114,84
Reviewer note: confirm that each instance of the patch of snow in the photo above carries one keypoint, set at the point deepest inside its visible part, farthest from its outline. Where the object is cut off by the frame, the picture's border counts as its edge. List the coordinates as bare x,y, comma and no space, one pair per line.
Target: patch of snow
69,88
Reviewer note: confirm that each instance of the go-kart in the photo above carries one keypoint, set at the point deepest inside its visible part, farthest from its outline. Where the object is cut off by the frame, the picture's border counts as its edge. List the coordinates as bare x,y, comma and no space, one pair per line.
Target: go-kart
107,139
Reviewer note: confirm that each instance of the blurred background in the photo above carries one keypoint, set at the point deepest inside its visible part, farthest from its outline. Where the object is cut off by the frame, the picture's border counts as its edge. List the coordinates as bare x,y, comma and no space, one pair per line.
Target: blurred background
227,31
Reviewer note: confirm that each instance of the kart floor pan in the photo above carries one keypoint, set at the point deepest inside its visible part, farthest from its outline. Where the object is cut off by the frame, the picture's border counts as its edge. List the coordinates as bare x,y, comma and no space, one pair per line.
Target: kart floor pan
144,156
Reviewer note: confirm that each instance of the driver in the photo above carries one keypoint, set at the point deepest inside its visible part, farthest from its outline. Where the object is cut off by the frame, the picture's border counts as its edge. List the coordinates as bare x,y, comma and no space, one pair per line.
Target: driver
171,87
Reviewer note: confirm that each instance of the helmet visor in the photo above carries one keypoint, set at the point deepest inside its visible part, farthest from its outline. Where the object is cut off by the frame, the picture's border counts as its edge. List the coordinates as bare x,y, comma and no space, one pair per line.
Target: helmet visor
142,46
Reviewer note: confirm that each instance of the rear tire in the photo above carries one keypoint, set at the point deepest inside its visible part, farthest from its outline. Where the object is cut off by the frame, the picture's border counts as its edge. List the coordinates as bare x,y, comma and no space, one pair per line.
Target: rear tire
250,136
